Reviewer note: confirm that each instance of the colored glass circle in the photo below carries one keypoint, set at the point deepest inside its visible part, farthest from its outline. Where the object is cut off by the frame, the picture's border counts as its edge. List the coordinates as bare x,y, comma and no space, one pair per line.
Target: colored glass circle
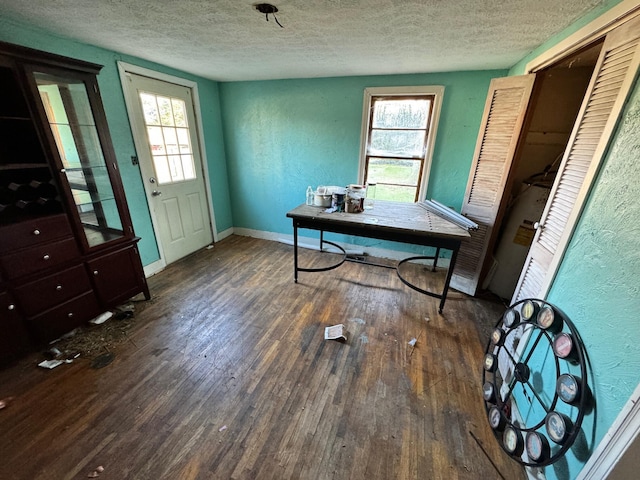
563,345
556,426
510,318
490,362
496,419
568,388
512,440
488,392
496,336
528,310
546,317
537,446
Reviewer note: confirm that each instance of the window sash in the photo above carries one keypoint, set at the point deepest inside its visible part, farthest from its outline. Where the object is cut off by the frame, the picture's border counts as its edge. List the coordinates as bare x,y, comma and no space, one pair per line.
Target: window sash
381,141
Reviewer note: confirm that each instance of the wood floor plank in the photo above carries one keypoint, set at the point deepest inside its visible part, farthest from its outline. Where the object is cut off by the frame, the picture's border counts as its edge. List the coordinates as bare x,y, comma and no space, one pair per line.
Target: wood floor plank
225,374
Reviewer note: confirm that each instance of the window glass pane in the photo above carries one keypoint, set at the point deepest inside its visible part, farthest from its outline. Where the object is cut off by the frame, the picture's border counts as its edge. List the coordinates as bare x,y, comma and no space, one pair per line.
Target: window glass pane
395,193
156,141
162,169
180,119
175,168
394,171
404,113
170,139
394,142
183,140
150,109
166,112
187,167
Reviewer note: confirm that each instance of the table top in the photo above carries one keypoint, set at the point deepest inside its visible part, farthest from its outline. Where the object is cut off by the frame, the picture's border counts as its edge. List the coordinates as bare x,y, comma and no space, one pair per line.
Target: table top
389,216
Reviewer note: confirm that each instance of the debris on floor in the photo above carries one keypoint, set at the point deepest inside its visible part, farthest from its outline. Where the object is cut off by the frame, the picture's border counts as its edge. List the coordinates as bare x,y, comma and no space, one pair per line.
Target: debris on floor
51,364
124,311
335,332
4,403
413,341
103,317
222,428
96,473
93,339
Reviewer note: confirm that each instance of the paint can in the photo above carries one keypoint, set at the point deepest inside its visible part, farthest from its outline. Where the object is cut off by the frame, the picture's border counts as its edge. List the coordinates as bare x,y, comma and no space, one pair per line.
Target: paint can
354,202
337,199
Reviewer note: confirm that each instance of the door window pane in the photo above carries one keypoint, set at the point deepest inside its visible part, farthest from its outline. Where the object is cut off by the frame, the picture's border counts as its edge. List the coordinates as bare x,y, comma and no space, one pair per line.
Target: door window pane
170,143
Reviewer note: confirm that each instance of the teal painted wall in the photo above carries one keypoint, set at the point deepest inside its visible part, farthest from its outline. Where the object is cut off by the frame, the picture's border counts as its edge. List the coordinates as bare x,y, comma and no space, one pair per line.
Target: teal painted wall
281,136
598,284
113,100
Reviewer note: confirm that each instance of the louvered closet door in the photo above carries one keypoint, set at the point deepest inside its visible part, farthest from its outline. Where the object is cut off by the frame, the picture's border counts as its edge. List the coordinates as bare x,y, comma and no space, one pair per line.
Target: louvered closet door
502,122
612,79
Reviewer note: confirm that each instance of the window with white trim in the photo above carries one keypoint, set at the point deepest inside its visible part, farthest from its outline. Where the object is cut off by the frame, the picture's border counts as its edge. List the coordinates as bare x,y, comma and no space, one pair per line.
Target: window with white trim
398,133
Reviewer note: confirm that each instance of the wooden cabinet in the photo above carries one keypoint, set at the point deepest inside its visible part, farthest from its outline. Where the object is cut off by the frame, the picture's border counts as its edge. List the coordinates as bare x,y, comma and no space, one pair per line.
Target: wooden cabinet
14,338
67,246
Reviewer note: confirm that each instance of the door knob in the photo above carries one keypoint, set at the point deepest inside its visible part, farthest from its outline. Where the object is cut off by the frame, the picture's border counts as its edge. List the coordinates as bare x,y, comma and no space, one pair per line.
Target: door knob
156,193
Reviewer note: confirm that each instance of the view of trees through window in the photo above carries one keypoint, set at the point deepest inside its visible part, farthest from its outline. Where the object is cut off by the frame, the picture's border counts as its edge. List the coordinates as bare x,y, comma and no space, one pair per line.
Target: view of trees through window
397,145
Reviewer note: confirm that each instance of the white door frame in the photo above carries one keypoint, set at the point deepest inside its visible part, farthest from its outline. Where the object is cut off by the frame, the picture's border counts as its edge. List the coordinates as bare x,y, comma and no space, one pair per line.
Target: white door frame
626,427
127,68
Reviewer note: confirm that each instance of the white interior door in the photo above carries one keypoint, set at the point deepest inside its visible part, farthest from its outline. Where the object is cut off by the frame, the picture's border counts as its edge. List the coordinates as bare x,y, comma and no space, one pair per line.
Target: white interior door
610,84
171,164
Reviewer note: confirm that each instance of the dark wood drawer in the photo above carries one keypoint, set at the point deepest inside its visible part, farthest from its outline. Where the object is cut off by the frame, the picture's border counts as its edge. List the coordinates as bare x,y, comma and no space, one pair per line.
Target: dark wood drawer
14,338
39,257
117,276
34,231
35,297
64,318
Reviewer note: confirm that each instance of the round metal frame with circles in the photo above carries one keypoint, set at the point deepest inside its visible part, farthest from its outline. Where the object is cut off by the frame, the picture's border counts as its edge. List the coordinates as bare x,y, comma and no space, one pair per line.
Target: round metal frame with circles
535,365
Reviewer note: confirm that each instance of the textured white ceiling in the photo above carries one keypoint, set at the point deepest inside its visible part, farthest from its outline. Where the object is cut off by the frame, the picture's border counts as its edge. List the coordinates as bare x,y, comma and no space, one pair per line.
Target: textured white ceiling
229,40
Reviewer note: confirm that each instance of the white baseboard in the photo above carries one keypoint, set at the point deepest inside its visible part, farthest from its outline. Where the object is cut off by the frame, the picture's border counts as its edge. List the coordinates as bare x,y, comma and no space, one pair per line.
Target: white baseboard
154,268
224,234
308,242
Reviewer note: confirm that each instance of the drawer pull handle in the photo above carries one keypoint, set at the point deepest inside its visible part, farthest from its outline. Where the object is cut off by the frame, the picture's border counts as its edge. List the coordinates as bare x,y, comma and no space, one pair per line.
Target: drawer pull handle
70,315
11,307
58,288
46,257
36,232
95,272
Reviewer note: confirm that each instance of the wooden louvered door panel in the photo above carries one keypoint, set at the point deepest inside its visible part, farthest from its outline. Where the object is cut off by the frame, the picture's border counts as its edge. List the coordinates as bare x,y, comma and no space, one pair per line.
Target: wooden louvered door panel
502,122
612,79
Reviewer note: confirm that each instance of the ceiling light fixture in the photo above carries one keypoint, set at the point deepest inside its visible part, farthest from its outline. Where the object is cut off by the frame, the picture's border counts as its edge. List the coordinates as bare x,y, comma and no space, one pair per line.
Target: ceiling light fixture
267,9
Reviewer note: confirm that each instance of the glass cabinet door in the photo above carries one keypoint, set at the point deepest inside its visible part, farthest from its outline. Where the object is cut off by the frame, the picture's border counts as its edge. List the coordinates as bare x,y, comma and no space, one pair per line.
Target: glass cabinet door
68,108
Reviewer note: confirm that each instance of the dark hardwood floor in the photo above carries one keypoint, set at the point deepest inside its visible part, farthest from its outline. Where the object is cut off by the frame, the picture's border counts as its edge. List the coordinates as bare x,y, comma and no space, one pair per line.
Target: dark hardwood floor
225,374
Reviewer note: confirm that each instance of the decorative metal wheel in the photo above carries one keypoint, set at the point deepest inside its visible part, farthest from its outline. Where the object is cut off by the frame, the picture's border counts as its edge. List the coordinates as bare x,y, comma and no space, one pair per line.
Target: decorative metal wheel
535,386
